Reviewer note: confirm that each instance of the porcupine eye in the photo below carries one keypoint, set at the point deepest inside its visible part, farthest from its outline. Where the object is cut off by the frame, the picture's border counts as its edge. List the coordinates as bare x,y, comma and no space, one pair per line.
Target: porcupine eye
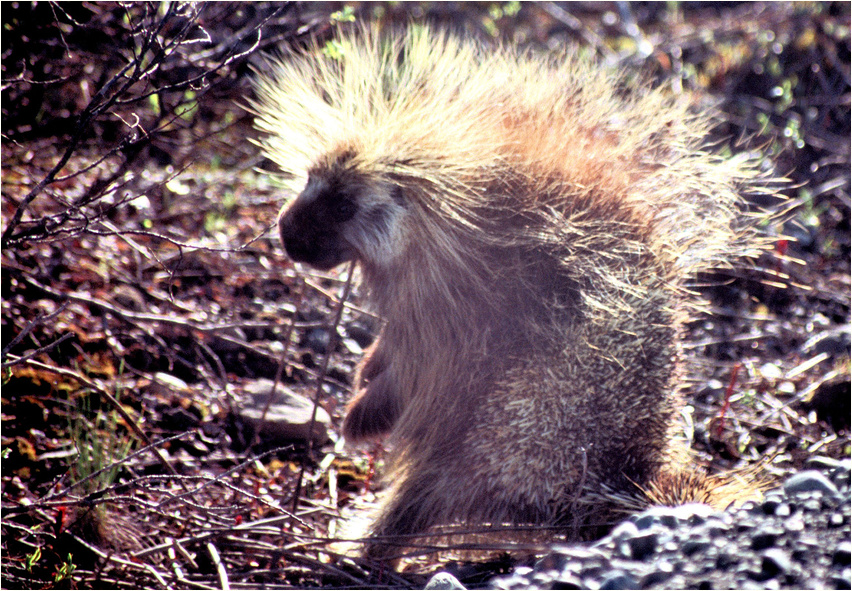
344,210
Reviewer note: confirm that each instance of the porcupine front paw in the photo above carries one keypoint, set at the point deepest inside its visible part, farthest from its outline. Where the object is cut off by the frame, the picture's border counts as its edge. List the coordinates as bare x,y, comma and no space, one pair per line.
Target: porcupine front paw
373,411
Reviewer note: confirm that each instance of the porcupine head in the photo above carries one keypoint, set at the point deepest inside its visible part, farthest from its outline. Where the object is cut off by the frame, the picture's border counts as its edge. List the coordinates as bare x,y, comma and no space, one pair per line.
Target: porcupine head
525,226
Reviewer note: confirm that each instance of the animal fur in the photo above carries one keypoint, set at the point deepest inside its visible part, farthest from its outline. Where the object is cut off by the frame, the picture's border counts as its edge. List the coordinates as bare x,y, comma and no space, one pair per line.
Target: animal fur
526,225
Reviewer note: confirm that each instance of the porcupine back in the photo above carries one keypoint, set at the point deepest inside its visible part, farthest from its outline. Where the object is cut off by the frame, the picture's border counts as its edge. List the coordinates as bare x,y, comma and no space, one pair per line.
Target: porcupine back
534,289
453,115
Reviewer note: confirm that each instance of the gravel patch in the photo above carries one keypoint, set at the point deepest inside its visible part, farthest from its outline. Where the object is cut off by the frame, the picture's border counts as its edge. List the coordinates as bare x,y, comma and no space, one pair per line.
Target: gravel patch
797,537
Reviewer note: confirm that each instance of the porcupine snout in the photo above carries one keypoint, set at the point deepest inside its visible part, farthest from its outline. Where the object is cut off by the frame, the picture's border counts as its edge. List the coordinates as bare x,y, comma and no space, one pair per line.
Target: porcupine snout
311,228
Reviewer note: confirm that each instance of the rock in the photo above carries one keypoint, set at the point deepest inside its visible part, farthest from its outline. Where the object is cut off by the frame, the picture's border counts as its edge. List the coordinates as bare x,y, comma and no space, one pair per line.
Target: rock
692,513
770,372
841,475
768,506
726,559
810,480
622,532
317,340
288,417
823,463
783,510
361,334
765,537
692,546
715,527
567,581
642,545
352,347
567,558
842,554
794,524
773,563
618,580
662,572
843,580
444,581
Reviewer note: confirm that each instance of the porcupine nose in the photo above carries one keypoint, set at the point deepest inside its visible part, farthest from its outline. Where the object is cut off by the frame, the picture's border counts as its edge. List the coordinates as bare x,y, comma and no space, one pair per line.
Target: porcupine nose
296,243
319,246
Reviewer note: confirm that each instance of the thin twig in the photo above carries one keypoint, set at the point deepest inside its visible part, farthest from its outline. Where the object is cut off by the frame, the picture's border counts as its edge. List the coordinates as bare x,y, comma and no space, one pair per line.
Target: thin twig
37,352
320,380
580,490
37,321
220,567
279,373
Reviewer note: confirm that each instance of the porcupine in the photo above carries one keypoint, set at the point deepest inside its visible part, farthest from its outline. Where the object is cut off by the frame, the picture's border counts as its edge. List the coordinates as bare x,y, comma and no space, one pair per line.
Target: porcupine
526,225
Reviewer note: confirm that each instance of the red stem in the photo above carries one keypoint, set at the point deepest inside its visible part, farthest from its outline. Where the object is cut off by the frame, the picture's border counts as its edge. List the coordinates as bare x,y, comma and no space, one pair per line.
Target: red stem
727,404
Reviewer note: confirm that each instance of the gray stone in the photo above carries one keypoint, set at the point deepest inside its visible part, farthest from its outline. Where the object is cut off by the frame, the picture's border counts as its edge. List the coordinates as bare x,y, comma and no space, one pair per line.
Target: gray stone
842,554
843,580
288,416
567,581
672,517
822,463
783,510
444,581
692,546
768,506
618,580
622,532
773,563
317,340
726,559
809,481
765,537
361,334
662,571
714,528
642,545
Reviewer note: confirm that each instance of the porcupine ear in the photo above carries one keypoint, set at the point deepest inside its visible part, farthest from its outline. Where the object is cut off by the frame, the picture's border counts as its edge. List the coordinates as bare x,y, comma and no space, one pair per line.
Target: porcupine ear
397,194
